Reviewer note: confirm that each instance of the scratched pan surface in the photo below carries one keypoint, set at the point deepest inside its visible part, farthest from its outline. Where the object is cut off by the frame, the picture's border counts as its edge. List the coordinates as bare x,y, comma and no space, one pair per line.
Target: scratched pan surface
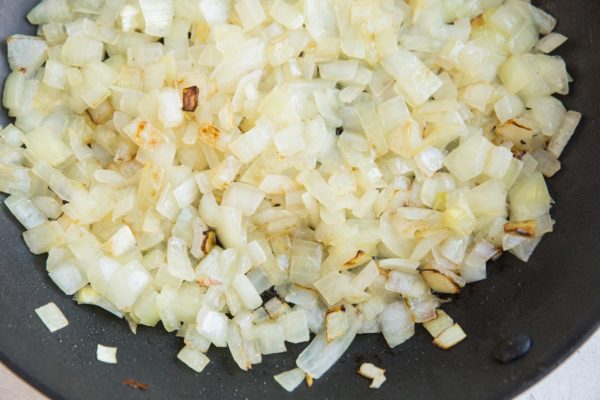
554,298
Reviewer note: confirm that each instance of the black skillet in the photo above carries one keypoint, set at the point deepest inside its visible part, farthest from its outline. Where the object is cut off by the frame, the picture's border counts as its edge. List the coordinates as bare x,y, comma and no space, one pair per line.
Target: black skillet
555,298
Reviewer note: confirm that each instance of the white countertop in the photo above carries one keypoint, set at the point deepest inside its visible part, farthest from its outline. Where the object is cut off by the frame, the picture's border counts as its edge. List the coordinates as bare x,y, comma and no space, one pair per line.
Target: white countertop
577,379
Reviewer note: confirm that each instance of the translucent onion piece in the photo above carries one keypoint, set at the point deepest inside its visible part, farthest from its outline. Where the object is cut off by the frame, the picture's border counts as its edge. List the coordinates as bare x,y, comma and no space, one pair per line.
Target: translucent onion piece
52,317
291,379
194,359
370,371
320,355
106,354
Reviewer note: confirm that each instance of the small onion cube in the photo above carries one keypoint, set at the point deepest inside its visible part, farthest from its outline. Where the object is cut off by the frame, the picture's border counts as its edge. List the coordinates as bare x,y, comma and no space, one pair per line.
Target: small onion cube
436,326
290,380
370,371
270,338
450,337
106,354
52,317
25,211
212,325
246,292
120,242
158,15
396,323
194,359
333,288
26,53
295,326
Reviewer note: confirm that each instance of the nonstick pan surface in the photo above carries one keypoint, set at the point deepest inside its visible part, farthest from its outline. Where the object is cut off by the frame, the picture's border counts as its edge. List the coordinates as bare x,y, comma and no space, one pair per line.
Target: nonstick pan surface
555,298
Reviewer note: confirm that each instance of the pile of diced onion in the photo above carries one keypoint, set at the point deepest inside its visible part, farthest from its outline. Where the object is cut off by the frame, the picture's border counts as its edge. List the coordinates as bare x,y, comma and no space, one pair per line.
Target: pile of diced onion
250,172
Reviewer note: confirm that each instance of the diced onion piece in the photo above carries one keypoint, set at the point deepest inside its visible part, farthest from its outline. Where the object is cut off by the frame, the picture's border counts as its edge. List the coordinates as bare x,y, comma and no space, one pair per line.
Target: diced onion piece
396,323
212,325
320,355
170,111
158,15
42,238
508,107
481,252
276,308
333,288
89,295
127,284
550,42
499,162
407,284
250,12
67,275
291,379
305,266
565,133
270,338
295,326
286,14
81,50
450,337
25,211
26,53
440,282
246,292
194,359
178,261
244,197
248,146
468,160
547,162
436,326
474,274
52,317
415,79
120,242
366,277
336,324
106,354
370,371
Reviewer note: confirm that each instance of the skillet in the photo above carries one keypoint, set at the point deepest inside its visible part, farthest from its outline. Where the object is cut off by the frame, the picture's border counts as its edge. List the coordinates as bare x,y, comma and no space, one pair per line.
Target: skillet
554,298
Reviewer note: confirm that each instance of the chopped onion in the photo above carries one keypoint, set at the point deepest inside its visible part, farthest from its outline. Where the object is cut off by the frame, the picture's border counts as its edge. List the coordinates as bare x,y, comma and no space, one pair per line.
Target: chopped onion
550,42
270,338
25,211
295,326
374,373
121,242
291,379
336,324
565,133
26,53
158,15
52,317
194,359
438,325
320,354
246,292
106,354
333,288
213,326
450,337
179,159
396,323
